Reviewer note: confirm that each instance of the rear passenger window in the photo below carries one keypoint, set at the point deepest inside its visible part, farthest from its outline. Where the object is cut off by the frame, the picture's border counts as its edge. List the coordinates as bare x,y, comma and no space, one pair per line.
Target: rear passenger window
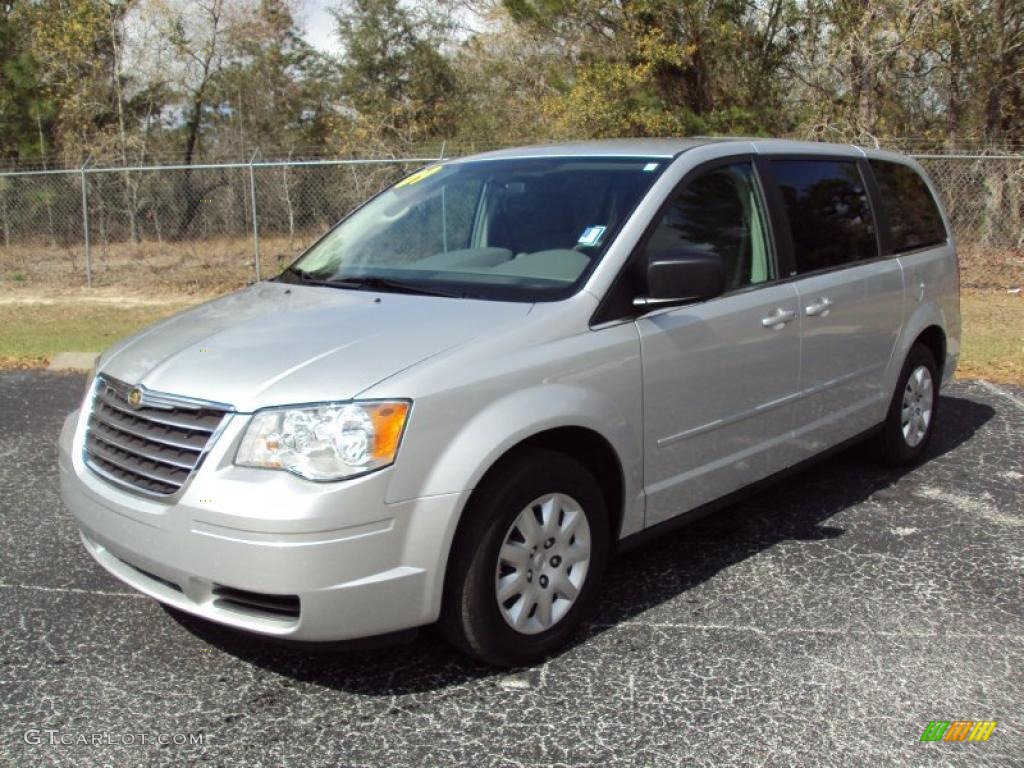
914,218
829,214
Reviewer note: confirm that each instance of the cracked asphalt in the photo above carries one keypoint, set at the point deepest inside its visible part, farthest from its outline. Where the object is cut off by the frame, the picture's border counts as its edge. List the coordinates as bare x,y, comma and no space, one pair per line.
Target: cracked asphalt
824,622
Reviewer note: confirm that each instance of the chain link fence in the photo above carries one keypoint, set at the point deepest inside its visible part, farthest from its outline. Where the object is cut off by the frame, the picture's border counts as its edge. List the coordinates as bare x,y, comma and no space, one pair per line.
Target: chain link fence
207,228
984,196
199,228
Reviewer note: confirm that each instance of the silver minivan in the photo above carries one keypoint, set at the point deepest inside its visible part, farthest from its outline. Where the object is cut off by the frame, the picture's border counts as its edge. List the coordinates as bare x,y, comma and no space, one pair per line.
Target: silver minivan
465,397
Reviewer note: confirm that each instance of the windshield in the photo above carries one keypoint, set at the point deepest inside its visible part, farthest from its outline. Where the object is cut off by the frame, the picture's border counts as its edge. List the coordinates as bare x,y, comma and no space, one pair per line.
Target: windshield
516,229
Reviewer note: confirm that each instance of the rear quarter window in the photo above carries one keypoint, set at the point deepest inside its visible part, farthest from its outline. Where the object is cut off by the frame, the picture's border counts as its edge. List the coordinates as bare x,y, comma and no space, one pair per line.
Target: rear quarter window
828,211
914,218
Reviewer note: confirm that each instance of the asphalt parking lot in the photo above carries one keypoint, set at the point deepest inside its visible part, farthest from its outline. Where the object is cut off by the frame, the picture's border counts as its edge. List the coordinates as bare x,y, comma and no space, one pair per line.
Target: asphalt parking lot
825,622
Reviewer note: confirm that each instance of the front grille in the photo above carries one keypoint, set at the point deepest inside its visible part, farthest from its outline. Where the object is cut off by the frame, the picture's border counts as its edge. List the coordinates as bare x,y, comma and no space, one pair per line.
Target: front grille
151,449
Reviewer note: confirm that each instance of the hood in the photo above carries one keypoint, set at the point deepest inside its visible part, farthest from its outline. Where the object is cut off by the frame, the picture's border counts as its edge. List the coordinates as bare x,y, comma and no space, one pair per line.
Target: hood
274,344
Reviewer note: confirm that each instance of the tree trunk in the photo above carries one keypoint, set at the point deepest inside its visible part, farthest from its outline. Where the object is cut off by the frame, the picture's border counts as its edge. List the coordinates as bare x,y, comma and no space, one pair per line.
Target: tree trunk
46,197
994,103
187,188
6,218
862,72
288,206
1010,74
954,105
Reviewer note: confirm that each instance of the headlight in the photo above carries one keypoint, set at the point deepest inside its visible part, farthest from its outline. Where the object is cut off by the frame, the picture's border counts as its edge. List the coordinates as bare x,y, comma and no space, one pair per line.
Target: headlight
325,442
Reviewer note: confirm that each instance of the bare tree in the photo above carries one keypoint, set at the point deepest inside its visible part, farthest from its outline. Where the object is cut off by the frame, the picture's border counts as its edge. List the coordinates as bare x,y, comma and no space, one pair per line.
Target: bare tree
195,30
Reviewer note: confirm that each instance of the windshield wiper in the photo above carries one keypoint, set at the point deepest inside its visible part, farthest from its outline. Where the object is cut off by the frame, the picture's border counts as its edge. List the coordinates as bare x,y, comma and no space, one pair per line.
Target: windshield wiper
387,284
292,275
360,282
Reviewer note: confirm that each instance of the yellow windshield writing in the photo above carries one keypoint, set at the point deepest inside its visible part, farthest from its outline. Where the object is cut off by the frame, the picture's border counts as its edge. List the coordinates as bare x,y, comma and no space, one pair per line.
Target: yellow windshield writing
418,176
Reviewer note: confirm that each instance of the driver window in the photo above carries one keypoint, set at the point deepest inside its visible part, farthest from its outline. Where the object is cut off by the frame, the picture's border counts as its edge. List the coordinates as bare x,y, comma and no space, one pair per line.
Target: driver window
720,211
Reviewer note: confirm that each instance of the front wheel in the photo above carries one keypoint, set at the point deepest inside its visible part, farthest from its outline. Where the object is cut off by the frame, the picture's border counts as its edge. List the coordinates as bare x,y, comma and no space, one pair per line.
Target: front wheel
911,419
525,566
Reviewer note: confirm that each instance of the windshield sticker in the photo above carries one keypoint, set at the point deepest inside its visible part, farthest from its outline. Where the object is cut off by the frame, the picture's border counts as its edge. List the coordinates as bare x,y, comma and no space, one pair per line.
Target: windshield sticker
651,167
591,236
419,176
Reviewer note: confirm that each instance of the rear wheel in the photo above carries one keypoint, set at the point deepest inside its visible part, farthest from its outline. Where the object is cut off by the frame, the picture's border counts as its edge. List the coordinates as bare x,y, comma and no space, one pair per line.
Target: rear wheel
526,564
910,422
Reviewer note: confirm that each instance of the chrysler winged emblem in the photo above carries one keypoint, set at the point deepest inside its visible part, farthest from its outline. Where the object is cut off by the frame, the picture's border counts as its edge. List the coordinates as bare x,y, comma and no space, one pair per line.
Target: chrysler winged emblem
135,397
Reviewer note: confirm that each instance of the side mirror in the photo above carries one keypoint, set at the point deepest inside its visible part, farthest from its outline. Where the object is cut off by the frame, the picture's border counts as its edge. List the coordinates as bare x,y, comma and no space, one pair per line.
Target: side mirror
678,275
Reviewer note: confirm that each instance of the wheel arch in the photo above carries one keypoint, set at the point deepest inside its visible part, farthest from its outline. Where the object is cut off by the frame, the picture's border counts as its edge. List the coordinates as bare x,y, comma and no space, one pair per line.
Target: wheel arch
934,338
589,447
926,325
592,450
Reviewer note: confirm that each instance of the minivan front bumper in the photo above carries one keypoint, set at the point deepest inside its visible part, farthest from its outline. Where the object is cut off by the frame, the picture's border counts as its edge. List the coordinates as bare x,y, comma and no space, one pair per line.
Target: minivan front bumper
266,551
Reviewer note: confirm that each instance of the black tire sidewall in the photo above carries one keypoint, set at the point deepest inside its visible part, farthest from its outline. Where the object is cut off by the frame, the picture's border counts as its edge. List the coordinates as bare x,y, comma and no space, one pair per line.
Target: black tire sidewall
472,604
897,451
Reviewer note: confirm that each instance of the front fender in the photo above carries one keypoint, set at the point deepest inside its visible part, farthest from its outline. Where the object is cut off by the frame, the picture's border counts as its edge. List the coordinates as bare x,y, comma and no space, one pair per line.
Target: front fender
521,415
456,435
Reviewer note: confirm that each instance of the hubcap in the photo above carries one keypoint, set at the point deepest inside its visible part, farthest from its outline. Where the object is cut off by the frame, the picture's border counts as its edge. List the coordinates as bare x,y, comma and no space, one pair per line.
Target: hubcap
917,406
543,563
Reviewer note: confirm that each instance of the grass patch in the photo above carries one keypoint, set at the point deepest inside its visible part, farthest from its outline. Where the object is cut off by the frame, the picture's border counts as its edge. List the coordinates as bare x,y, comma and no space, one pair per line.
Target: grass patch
992,346
32,333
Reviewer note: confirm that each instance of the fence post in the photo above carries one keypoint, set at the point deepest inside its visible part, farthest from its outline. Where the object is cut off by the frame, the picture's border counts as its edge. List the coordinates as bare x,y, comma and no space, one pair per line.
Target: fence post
85,224
255,216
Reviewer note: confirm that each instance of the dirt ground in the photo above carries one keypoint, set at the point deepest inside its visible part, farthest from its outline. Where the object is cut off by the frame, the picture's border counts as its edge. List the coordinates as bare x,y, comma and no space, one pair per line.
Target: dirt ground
991,270
153,269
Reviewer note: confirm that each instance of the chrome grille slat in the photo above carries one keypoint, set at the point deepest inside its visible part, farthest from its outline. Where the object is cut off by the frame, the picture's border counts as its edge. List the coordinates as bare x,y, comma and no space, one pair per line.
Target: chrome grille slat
108,473
150,450
102,433
135,464
156,415
164,435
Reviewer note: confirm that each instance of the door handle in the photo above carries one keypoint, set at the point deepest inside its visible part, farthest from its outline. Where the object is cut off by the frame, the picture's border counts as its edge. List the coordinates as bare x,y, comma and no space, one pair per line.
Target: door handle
777,321
821,307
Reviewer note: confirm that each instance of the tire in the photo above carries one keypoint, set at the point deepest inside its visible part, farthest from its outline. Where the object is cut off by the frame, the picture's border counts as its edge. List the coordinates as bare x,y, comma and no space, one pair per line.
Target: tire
539,566
910,422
